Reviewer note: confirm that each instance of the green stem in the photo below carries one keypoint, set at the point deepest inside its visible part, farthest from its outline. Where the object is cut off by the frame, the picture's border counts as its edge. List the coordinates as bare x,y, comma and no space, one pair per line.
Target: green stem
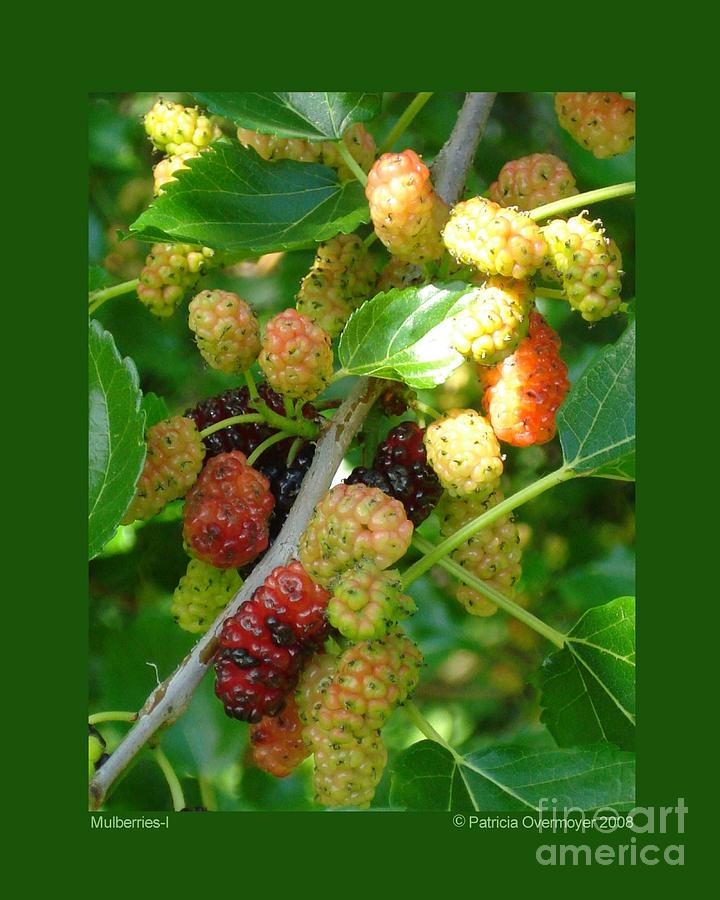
97,298
341,373
303,427
233,420
558,207
112,716
370,240
207,793
413,108
487,518
550,294
268,442
424,546
425,408
250,382
176,791
293,452
289,407
352,163
424,727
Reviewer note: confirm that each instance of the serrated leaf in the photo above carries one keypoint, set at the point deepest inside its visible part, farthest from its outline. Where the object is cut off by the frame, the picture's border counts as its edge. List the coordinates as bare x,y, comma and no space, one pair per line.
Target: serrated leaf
155,409
230,199
597,421
116,437
305,114
403,335
588,688
512,779
98,278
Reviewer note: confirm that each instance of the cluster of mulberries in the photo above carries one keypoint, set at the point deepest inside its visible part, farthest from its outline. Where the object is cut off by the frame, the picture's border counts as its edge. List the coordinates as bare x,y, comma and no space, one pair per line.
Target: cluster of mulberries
263,646
464,452
353,523
367,601
173,461
175,129
523,393
533,181
344,704
296,355
202,593
226,330
492,554
342,277
588,263
407,214
225,519
356,139
170,272
601,121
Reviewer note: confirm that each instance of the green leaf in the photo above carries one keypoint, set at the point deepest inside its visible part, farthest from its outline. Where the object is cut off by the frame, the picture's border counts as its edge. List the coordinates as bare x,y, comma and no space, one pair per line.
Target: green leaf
597,421
231,199
588,688
155,409
305,114
513,779
116,442
403,335
98,278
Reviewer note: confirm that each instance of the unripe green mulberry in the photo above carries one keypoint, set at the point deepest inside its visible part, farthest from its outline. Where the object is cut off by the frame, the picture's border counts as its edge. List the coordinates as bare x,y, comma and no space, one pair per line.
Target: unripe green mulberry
176,129
464,453
347,775
366,601
589,264
296,355
171,271
312,686
173,462
352,523
495,240
226,330
533,181
164,171
408,216
492,554
341,279
494,322
96,749
201,594
357,139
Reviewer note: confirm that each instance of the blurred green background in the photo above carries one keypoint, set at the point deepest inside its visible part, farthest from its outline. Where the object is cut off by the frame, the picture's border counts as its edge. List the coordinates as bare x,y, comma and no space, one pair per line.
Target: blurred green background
479,684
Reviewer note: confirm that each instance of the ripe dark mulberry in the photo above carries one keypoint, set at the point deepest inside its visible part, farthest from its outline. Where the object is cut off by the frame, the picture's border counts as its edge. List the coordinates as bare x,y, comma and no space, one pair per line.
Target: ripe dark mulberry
263,646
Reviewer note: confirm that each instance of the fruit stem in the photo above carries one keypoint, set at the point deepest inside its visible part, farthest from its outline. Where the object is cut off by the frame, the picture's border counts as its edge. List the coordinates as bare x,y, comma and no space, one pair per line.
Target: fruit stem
233,420
352,163
289,407
293,452
487,518
112,716
558,207
176,791
550,294
268,442
424,727
250,382
370,240
411,110
424,408
97,298
303,427
555,637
